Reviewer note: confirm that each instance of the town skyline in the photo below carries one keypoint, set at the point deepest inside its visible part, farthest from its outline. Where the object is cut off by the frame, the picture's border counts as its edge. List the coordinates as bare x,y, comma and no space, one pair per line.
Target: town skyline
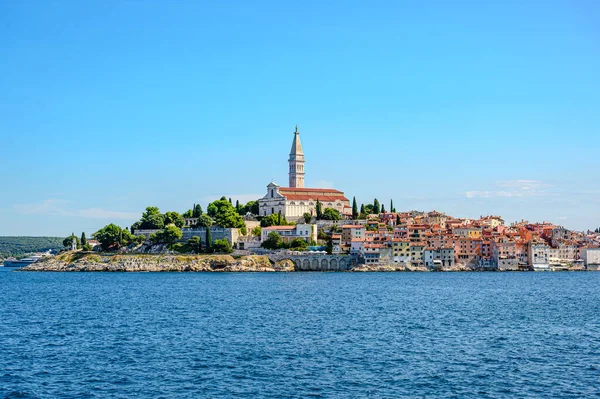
467,109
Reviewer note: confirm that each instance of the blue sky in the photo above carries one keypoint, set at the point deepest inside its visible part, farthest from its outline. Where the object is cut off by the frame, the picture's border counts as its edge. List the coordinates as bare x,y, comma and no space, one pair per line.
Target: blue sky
464,107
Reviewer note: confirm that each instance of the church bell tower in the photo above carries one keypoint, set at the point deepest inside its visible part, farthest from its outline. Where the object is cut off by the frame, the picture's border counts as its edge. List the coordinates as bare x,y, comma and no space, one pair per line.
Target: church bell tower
296,162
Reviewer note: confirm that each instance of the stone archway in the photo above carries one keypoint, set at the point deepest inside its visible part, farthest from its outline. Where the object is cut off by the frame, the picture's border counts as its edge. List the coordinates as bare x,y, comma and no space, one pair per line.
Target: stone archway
315,264
324,264
305,264
333,264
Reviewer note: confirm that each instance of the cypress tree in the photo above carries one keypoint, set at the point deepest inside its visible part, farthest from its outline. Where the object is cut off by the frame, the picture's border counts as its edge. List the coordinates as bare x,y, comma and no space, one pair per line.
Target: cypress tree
398,222
238,208
279,218
83,239
208,239
230,201
319,210
354,209
376,207
362,209
329,247
392,206
382,208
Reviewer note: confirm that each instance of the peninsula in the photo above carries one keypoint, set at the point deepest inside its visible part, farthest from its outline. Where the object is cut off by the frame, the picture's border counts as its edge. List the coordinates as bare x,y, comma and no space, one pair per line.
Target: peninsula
299,228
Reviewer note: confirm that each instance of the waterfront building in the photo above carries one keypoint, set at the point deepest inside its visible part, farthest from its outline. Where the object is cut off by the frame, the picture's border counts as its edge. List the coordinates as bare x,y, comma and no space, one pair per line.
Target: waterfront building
538,255
306,232
294,201
352,231
443,256
591,258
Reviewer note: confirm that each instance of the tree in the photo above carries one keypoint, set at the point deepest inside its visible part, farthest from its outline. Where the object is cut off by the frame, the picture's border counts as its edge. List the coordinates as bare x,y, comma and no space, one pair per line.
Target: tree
197,212
224,214
195,244
188,214
222,246
230,203
68,241
208,240
376,207
392,209
111,236
329,246
319,209
354,209
382,208
274,220
83,239
273,241
169,235
238,207
152,219
204,221
398,221
298,244
254,208
307,217
173,218
256,231
362,211
135,227
331,214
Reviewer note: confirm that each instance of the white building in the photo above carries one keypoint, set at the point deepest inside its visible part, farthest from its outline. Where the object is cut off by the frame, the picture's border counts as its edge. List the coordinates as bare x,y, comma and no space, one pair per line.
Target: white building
591,258
538,255
307,232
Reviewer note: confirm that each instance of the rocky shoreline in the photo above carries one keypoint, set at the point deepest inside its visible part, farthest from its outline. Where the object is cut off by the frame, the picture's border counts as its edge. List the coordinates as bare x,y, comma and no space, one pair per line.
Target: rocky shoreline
98,262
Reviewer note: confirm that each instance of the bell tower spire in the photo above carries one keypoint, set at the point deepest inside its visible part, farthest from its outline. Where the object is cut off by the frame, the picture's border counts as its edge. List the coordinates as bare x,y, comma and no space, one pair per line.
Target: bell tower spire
296,162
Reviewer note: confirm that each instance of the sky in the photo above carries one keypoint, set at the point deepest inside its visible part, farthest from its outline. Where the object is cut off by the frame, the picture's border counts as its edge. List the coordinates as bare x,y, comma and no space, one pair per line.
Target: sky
466,107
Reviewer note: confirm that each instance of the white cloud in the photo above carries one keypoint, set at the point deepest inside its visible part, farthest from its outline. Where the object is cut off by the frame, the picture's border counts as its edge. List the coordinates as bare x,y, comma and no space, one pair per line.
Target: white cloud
59,207
514,188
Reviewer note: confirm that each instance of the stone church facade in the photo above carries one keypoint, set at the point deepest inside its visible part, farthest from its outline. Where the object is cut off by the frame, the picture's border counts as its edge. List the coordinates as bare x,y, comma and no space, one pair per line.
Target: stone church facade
296,200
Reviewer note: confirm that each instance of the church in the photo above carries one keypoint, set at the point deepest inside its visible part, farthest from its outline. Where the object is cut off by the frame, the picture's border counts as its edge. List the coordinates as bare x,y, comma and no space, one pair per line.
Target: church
296,200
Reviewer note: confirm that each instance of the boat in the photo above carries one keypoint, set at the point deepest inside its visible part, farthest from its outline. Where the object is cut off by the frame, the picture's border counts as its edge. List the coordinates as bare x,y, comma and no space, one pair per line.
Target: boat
20,262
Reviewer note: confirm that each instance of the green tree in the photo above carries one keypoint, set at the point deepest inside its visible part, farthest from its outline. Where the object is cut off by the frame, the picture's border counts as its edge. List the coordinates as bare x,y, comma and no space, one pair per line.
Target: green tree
256,231
273,220
298,244
136,226
111,237
354,208
243,230
238,207
208,240
173,218
197,211
376,207
224,214
392,209
152,219
273,241
169,235
319,210
230,203
329,246
398,221
382,208
307,217
188,214
222,246
204,221
253,207
68,241
195,244
83,240
331,214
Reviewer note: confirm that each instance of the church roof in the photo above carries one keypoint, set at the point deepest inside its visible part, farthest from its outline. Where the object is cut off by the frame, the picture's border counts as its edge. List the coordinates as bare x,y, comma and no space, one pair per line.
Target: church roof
305,194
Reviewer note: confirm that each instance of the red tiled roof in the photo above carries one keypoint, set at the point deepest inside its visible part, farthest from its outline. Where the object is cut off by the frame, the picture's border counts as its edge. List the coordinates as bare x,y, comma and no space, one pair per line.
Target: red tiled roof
353,226
322,194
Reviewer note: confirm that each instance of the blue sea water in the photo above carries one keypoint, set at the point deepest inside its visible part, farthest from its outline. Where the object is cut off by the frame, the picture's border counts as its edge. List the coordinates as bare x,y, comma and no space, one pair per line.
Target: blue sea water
297,335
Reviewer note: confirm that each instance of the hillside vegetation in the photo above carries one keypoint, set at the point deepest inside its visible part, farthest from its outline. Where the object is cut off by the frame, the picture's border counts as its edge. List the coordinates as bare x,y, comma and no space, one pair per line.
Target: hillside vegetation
18,246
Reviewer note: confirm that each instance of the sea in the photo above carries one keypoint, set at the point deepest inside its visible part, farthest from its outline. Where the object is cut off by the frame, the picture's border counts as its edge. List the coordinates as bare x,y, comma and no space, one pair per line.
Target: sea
299,335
